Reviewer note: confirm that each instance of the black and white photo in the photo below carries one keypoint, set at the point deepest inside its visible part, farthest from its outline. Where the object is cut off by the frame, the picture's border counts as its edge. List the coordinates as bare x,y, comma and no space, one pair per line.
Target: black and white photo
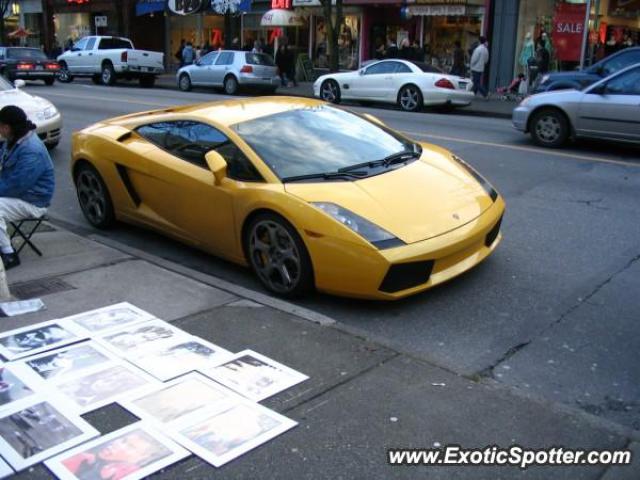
68,361
141,337
255,376
35,429
13,384
5,469
107,318
35,339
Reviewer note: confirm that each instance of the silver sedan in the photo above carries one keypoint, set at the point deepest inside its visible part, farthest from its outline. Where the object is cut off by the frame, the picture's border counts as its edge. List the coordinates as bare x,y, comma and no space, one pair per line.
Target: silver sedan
609,110
230,69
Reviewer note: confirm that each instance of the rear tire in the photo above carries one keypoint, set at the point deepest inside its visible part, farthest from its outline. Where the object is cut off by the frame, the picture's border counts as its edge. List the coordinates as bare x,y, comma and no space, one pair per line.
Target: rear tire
278,256
49,81
549,128
147,81
108,75
64,76
93,195
410,98
184,83
330,91
230,85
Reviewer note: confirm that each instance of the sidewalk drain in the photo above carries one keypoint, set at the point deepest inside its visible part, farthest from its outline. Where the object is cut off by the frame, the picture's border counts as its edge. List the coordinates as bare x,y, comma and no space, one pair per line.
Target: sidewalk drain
39,288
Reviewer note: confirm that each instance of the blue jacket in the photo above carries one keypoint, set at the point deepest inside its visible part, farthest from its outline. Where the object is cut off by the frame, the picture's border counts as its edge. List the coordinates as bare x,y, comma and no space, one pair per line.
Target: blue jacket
27,171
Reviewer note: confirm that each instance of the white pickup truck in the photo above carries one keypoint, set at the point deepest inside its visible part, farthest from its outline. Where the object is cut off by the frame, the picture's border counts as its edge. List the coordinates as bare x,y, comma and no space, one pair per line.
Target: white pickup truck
105,59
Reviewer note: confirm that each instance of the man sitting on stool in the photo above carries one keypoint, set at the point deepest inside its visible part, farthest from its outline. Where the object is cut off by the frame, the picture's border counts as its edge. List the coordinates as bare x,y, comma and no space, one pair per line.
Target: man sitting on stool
26,179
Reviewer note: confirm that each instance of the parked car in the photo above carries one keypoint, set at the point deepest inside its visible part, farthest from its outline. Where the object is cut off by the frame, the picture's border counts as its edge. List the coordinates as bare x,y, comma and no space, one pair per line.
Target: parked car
27,64
41,112
583,78
230,70
609,109
107,59
411,85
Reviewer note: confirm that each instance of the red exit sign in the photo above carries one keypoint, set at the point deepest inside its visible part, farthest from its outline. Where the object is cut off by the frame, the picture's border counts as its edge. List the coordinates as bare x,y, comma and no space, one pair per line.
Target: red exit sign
284,4
80,2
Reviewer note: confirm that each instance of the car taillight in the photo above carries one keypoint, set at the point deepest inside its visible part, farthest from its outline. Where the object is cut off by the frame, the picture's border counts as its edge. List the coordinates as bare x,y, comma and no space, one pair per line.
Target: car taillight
444,83
246,69
26,66
124,56
52,66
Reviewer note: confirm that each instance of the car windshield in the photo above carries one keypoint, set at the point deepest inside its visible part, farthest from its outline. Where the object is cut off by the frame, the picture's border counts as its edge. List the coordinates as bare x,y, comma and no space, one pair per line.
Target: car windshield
259,59
25,54
316,140
5,85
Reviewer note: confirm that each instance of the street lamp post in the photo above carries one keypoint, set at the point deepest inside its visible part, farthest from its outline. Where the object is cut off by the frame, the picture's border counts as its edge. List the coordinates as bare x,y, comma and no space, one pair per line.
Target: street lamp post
585,34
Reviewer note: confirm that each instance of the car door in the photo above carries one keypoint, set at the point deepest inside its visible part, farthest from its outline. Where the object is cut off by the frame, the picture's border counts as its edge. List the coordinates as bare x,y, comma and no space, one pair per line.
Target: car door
612,109
88,56
201,71
73,57
180,187
373,81
221,67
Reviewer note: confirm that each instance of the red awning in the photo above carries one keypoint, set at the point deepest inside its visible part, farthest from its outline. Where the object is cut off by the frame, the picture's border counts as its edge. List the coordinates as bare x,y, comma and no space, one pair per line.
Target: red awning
20,33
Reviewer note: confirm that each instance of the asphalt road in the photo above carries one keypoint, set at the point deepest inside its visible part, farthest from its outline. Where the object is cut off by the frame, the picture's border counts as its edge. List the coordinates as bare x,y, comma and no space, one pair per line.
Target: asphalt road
554,312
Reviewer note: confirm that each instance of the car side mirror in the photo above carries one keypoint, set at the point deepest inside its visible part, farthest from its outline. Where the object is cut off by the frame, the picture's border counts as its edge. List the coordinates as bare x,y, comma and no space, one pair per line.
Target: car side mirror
19,83
217,165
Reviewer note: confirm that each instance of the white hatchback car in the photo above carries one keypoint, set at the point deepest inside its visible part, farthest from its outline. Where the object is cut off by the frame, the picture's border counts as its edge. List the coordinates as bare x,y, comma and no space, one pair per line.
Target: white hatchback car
409,84
40,111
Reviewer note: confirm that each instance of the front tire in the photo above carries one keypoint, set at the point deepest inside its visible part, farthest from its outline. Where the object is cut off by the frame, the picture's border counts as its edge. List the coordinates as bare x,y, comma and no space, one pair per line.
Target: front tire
278,256
410,98
64,76
184,83
549,128
330,91
93,195
230,85
108,74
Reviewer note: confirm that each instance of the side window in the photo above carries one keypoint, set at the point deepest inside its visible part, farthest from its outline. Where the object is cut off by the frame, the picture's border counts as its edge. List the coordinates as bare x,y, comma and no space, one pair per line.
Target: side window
80,44
401,68
380,68
225,58
90,44
209,58
620,61
2,51
626,84
239,167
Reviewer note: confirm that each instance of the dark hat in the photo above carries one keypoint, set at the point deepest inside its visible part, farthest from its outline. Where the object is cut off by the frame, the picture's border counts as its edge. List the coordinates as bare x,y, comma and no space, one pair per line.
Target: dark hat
13,116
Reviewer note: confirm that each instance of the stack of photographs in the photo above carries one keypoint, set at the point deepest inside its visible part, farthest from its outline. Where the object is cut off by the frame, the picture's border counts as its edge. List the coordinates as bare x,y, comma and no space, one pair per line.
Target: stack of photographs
33,429
255,376
131,453
103,319
34,339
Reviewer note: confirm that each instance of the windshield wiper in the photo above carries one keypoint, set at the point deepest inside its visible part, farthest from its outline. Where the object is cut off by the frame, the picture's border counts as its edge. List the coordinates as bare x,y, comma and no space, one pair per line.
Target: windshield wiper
325,176
399,157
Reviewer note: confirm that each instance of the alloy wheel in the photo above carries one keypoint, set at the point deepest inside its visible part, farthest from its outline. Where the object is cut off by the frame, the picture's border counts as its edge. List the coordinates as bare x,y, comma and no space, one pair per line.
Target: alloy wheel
63,74
548,128
409,99
275,256
92,196
329,92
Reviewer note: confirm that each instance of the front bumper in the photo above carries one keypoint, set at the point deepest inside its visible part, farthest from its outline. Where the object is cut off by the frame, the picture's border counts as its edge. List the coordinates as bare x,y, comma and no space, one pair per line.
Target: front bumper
50,130
361,272
520,118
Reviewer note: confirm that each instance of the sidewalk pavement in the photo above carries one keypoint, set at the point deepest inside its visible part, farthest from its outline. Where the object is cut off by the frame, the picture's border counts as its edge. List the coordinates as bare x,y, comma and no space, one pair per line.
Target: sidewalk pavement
361,397
491,108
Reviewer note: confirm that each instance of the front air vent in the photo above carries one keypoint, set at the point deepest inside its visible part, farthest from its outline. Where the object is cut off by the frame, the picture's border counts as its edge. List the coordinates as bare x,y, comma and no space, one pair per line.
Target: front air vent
402,276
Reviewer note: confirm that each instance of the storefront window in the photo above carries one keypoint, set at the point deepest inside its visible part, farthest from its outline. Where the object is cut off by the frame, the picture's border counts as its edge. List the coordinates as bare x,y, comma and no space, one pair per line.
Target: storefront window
69,27
441,33
348,43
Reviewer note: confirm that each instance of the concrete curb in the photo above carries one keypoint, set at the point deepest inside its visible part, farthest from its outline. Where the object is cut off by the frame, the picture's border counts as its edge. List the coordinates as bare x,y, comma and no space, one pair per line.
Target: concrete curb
212,281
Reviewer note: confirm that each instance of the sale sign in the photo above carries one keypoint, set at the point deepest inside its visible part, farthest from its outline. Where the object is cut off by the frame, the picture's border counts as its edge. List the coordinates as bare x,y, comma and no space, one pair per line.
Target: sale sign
568,28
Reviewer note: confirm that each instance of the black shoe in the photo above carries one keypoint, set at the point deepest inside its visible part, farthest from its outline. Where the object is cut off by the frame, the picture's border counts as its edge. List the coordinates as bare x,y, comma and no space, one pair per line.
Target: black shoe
10,260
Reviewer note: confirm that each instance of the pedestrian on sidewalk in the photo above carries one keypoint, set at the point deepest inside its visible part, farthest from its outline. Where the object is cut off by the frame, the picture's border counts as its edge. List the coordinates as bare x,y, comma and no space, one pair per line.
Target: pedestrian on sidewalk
183,43
479,60
290,56
188,54
457,67
27,178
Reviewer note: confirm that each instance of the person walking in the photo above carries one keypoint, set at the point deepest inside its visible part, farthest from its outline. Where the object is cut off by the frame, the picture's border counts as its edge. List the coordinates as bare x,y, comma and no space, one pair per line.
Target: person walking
188,54
281,63
178,55
290,63
458,67
257,46
27,178
478,63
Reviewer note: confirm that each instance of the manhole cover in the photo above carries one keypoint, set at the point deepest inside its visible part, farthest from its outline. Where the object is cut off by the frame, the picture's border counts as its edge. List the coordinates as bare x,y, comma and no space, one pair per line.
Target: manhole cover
39,288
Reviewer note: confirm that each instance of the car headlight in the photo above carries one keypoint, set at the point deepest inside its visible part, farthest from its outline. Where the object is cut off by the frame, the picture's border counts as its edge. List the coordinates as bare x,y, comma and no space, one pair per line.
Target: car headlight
524,101
479,178
50,112
367,230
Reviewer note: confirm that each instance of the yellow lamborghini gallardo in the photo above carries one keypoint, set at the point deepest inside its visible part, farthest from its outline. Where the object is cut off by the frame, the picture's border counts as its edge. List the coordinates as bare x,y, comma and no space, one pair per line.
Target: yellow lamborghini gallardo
307,194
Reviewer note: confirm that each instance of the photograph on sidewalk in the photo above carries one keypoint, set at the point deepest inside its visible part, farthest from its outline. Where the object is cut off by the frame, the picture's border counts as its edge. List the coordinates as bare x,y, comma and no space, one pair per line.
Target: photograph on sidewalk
175,400
255,376
143,337
181,357
36,339
131,453
33,430
68,361
107,318
221,437
5,469
13,384
97,388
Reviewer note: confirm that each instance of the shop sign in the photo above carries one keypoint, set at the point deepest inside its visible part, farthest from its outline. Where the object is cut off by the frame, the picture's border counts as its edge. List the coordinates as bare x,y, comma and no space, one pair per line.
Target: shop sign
283,4
309,3
437,10
184,7
224,7
568,28
101,21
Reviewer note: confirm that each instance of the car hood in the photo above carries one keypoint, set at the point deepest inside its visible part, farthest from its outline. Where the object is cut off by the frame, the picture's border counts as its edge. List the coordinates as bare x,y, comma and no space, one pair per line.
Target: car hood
555,97
29,103
422,200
